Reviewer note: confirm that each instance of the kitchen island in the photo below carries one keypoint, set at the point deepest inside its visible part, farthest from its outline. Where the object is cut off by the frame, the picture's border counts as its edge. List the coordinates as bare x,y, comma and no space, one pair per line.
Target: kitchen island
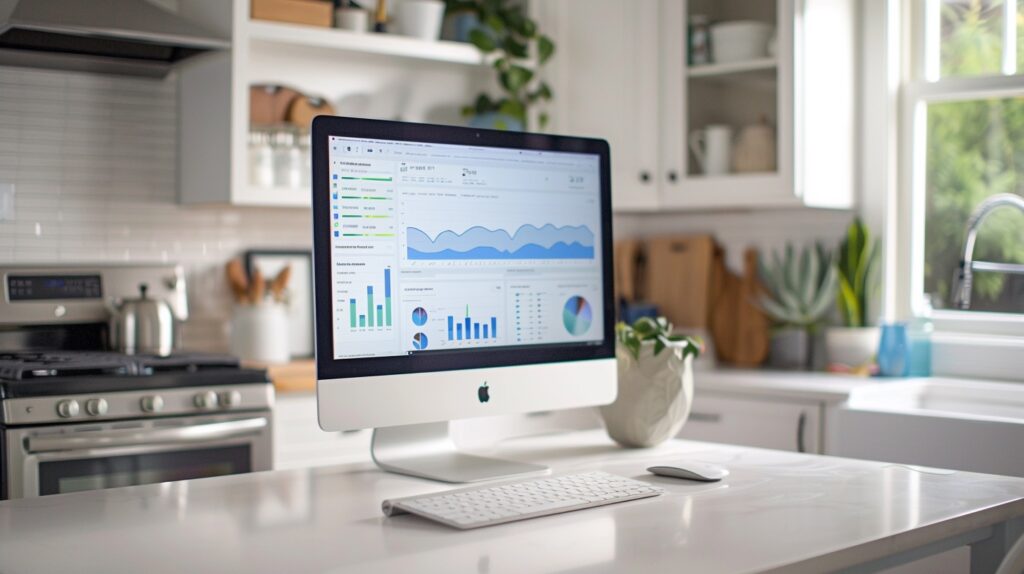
777,511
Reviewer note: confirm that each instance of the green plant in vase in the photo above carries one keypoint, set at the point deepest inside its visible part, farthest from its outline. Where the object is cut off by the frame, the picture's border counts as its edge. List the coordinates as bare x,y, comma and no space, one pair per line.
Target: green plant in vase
655,373
853,345
516,49
800,291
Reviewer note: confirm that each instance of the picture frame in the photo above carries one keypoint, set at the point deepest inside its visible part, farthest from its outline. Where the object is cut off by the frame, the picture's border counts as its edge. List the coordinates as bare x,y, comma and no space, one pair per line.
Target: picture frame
299,292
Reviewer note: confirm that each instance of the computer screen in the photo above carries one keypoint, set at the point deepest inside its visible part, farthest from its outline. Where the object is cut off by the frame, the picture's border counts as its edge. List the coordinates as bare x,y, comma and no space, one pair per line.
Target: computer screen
458,273
441,249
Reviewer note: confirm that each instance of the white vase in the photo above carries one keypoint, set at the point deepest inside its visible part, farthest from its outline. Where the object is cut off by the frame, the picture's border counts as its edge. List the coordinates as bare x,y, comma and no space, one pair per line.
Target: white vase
851,346
655,396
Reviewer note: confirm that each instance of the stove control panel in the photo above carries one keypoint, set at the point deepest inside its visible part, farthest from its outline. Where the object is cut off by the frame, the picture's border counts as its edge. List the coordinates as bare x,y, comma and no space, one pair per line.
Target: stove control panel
136,404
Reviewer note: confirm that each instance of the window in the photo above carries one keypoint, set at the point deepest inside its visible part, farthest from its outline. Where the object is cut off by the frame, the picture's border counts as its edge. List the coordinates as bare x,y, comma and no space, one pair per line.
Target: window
965,108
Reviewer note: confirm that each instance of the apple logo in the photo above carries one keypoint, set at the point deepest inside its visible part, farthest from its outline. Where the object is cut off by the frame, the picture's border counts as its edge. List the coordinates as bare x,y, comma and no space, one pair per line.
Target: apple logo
483,393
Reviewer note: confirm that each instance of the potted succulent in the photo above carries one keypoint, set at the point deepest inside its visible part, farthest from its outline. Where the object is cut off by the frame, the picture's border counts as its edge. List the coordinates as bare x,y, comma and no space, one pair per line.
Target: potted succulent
853,345
655,383
516,50
800,290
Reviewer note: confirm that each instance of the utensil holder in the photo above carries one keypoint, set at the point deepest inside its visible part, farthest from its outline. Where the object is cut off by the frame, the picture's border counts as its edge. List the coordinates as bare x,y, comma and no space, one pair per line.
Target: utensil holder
259,333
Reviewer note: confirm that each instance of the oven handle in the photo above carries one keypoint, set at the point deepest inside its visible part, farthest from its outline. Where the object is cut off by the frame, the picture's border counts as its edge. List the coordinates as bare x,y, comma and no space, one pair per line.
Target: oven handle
133,437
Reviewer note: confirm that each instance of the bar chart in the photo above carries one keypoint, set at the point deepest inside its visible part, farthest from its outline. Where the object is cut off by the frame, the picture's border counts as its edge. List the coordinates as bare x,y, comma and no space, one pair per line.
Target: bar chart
369,314
468,329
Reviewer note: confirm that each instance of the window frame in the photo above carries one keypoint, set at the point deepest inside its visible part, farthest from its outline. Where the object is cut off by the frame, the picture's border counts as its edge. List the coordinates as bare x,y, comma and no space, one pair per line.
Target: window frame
920,86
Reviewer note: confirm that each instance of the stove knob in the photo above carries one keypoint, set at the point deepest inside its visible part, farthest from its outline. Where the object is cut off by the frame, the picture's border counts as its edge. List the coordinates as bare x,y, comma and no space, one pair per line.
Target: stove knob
96,407
229,399
68,408
205,400
152,404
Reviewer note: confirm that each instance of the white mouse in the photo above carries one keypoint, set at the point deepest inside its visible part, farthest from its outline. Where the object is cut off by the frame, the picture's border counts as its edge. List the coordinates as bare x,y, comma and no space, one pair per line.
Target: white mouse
691,471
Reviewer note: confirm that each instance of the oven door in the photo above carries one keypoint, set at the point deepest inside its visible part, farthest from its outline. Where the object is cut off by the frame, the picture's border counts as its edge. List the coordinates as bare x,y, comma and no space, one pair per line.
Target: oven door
71,458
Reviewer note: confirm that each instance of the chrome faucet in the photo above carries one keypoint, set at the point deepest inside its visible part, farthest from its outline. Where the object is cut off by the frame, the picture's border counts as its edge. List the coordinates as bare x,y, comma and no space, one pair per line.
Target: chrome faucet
965,273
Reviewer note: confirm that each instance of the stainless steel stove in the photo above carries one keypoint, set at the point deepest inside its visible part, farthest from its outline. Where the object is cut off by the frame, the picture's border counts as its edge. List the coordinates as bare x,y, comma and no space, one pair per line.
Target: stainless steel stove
75,416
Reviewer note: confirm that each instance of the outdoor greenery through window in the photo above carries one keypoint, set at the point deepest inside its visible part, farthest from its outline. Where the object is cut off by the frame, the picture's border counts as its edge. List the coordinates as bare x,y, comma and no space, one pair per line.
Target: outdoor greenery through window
974,145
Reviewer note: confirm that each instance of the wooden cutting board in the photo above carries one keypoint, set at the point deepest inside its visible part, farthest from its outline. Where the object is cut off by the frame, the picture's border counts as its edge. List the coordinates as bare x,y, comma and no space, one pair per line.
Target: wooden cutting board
739,327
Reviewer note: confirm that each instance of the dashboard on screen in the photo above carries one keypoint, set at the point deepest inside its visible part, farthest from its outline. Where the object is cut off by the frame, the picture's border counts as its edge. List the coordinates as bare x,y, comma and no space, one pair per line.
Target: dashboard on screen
448,248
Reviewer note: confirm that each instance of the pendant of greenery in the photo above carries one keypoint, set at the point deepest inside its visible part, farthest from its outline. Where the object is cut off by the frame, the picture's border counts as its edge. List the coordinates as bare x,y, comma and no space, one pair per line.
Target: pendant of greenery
659,330
507,36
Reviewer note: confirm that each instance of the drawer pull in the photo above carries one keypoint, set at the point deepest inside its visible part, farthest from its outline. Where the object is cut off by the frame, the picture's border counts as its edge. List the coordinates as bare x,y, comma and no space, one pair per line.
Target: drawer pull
706,417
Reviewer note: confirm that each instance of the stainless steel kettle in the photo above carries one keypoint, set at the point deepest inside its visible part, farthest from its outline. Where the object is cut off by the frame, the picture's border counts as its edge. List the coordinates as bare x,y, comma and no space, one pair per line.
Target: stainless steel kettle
142,326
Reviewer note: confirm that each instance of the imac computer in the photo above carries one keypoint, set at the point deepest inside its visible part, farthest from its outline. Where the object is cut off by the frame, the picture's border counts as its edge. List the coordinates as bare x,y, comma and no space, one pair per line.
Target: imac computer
458,273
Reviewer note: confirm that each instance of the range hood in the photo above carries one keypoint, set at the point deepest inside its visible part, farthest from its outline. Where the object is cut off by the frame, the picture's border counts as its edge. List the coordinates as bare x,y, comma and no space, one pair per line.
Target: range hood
125,37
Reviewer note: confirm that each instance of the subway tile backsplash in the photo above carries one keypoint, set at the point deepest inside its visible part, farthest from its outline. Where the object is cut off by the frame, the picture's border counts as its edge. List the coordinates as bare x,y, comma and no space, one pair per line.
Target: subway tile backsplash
94,163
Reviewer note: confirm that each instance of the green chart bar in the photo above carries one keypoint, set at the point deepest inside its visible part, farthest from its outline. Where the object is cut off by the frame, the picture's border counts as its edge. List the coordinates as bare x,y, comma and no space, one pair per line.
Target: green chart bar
380,316
362,320
369,303
352,312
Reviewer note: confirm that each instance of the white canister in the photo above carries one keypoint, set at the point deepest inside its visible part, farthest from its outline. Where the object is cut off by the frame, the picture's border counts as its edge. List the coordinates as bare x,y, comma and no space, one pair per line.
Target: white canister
739,40
712,146
352,19
259,333
421,18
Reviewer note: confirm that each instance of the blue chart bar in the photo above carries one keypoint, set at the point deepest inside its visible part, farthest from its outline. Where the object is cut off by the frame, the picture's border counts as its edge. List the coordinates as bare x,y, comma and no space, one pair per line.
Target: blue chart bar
476,330
451,327
458,332
369,303
362,320
494,328
485,331
468,330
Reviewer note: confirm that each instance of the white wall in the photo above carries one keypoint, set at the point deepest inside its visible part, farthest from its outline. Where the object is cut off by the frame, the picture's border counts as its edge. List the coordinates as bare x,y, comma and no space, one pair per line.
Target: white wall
766,229
94,162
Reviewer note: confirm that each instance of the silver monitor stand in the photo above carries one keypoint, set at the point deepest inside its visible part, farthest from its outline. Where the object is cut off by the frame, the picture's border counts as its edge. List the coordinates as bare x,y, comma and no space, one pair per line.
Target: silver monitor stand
428,451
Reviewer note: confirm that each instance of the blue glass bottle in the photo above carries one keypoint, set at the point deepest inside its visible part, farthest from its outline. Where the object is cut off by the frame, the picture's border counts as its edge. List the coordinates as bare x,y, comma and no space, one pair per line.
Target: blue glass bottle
894,351
920,333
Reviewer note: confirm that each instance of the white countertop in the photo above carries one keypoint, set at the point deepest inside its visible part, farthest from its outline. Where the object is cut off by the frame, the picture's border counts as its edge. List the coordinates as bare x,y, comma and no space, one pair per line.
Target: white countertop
800,385
777,510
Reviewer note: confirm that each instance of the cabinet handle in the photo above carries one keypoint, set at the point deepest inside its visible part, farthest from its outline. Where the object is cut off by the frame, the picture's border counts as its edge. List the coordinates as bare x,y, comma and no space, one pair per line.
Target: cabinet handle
645,176
673,176
705,417
801,424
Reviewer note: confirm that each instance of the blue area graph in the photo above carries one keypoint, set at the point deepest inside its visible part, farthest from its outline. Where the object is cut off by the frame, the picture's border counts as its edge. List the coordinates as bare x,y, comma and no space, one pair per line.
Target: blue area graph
528,242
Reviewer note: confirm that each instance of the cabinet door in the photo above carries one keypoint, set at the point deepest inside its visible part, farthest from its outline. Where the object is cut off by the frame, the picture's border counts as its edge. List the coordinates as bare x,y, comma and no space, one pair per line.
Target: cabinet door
791,426
609,89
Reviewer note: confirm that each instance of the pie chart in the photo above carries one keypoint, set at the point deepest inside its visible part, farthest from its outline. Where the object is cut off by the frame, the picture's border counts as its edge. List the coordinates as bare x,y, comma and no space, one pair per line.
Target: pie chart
419,316
577,315
419,341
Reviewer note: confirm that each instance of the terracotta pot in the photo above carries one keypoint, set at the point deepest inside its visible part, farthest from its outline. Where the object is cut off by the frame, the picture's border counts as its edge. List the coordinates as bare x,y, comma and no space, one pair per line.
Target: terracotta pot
655,396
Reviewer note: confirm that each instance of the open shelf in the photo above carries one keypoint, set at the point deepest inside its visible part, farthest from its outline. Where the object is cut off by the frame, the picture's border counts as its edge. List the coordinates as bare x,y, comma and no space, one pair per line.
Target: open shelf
716,70
363,43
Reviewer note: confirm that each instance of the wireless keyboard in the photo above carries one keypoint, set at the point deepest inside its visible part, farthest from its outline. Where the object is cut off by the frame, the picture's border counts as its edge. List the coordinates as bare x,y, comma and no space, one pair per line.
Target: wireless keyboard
489,505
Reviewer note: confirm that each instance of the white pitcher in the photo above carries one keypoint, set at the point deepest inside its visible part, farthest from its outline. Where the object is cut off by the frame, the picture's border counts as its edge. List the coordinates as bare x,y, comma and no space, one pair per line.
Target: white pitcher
712,147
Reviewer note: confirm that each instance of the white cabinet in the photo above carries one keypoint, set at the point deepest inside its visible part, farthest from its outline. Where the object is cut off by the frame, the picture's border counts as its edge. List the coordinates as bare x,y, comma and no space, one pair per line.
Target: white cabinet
767,423
606,82
622,74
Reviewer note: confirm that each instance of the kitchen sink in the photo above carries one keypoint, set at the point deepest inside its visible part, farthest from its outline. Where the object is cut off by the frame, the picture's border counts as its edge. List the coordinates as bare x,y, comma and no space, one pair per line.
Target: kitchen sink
944,397
947,423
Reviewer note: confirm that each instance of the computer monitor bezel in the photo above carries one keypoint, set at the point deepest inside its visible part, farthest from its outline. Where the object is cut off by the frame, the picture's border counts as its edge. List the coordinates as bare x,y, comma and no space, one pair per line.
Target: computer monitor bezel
330,368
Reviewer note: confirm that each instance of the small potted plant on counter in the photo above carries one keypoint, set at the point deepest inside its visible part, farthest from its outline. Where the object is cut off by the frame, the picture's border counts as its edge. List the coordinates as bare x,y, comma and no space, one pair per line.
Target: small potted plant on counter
655,383
852,347
800,291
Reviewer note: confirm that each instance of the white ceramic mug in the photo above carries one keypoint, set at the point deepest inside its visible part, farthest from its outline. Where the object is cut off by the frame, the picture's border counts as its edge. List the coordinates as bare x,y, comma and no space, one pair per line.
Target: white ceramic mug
260,333
352,19
712,146
421,18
